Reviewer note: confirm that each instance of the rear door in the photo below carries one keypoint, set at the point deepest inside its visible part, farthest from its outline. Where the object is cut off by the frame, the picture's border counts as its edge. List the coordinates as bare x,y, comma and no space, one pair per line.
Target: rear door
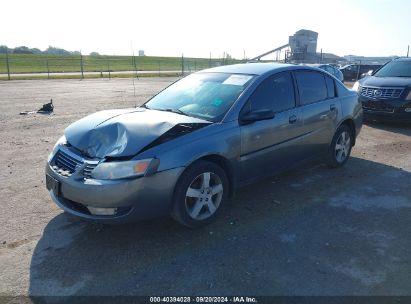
351,72
320,108
269,145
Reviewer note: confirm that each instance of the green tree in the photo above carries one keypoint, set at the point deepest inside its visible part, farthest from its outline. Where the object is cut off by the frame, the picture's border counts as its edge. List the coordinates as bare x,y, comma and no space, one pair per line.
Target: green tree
4,49
22,50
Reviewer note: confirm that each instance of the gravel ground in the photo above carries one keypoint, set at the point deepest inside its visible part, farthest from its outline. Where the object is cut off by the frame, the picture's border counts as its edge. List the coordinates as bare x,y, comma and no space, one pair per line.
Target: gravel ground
310,231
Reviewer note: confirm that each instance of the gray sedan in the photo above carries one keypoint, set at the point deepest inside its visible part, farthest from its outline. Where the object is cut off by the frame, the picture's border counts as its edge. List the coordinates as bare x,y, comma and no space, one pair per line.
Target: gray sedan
185,151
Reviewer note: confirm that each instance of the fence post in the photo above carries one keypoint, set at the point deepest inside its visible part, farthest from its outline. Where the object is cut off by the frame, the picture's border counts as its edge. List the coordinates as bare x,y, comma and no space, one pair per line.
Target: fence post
209,63
182,64
7,63
159,69
48,69
108,67
81,66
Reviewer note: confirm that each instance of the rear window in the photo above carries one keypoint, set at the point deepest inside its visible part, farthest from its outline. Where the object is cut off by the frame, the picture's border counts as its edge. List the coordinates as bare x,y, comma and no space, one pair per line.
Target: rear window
330,87
311,86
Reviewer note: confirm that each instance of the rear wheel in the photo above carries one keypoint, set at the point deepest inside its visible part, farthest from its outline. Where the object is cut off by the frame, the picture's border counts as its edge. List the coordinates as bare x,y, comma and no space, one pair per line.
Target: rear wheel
199,194
340,148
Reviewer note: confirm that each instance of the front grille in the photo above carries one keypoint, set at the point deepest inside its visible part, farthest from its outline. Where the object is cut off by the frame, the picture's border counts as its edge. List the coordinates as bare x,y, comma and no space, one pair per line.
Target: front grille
381,93
65,164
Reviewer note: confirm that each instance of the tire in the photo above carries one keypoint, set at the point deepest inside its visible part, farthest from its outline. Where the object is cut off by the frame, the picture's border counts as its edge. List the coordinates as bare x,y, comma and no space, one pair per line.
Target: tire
200,193
340,148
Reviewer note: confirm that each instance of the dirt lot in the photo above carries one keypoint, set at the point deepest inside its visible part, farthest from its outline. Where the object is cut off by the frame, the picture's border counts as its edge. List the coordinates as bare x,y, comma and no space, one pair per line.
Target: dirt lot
311,231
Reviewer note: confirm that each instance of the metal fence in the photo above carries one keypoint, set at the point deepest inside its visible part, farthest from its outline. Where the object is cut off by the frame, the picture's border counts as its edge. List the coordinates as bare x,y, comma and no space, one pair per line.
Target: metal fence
22,66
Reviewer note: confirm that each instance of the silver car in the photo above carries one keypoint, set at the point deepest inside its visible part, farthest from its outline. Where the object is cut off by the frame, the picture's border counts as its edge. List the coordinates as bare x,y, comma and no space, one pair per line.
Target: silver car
330,69
185,151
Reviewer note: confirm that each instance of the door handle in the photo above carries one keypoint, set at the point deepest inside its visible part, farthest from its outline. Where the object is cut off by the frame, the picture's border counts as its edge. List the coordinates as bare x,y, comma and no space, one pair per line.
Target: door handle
292,119
333,107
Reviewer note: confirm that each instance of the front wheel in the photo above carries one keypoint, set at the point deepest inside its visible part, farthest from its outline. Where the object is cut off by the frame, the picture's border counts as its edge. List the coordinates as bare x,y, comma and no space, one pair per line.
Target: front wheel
340,148
199,194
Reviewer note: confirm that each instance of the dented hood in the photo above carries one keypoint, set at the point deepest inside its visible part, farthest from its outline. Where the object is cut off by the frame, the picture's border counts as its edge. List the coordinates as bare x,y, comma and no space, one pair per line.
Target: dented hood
122,133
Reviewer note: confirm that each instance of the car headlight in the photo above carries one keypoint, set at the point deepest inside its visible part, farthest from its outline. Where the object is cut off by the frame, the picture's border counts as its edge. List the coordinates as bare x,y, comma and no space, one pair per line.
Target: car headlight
62,140
125,169
356,86
408,96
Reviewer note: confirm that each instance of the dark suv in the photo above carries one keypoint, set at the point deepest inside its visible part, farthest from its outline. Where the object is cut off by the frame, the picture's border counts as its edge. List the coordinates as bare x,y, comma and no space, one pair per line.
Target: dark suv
386,94
353,72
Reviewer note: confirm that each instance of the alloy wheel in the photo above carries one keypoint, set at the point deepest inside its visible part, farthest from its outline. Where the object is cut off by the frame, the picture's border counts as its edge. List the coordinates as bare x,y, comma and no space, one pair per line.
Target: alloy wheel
342,146
204,195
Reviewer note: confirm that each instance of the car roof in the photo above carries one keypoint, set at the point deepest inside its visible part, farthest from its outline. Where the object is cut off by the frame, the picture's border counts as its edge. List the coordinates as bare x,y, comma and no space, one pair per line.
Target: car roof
315,64
319,65
403,59
253,68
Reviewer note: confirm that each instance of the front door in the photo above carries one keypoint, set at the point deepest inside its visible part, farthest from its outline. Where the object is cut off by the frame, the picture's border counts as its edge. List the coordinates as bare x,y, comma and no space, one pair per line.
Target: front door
270,145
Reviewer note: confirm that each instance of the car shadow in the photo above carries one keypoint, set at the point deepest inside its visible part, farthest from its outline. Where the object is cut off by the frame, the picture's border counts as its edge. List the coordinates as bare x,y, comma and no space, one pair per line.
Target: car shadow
309,231
401,128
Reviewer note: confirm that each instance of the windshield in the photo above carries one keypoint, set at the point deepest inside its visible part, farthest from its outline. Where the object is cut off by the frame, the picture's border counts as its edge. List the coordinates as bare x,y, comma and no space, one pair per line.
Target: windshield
395,69
204,95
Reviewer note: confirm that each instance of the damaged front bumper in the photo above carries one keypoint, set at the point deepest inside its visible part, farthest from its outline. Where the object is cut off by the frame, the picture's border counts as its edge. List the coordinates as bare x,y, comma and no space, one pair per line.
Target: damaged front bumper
125,200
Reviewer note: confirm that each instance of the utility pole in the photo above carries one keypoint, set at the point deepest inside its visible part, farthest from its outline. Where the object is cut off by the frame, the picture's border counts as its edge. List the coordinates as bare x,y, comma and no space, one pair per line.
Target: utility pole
358,71
182,64
81,65
134,62
7,62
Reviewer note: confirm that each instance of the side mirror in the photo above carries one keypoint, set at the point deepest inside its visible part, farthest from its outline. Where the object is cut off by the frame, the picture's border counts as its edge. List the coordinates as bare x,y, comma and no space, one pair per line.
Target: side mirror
256,115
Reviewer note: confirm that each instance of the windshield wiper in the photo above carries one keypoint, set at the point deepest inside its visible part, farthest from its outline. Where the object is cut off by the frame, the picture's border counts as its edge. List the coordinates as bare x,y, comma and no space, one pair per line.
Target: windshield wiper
178,111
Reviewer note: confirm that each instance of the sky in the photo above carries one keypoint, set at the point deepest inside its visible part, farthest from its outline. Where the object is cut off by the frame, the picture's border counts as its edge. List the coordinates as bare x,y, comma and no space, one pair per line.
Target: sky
197,28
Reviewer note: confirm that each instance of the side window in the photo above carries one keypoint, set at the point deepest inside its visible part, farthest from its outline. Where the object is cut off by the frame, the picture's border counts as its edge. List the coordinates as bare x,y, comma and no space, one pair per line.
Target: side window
330,87
275,93
311,86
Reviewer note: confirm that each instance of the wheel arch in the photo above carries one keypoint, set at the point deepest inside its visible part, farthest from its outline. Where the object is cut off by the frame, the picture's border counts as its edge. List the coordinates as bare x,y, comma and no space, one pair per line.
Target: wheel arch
349,122
225,164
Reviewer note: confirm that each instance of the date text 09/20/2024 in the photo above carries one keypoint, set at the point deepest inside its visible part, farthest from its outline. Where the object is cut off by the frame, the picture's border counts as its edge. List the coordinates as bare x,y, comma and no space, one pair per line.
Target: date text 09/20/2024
203,300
